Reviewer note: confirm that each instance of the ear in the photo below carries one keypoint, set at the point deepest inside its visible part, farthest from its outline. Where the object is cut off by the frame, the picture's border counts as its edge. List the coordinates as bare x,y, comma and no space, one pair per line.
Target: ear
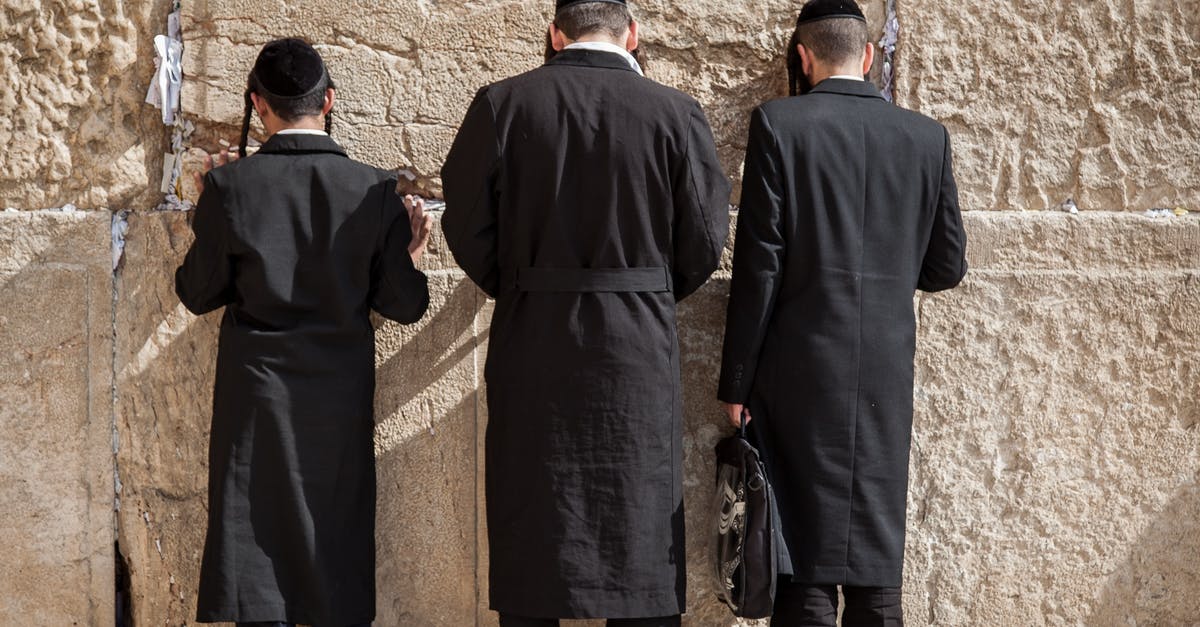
806,59
868,58
330,96
260,105
557,39
631,43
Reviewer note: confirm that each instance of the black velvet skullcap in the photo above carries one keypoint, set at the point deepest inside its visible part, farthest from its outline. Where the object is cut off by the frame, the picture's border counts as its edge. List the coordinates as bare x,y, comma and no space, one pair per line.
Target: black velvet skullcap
562,4
290,68
817,10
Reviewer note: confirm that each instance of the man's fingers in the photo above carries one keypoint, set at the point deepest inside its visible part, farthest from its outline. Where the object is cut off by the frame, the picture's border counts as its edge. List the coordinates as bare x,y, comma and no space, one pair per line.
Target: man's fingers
408,203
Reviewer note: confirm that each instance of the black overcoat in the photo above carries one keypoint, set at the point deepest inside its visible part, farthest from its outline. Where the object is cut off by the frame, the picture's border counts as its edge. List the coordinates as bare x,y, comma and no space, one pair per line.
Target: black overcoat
848,206
587,200
299,243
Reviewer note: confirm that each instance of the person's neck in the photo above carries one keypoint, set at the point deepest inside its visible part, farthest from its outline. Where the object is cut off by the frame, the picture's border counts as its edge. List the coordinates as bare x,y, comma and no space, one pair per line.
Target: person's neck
597,39
821,73
310,123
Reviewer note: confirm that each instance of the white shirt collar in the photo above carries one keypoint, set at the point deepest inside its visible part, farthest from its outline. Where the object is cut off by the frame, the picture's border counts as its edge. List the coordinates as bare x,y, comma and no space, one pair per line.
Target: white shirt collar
300,131
604,46
848,77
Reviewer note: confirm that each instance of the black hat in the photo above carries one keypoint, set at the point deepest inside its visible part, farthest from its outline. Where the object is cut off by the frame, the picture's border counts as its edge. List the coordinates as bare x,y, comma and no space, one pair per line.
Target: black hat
562,4
286,69
290,68
817,10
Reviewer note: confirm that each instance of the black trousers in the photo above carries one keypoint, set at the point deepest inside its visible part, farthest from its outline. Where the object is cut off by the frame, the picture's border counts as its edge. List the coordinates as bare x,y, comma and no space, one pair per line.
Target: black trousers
805,605
280,624
507,620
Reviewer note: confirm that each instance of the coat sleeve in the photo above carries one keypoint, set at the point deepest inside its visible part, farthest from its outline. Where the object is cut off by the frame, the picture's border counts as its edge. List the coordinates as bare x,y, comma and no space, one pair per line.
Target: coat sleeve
205,280
945,262
399,291
758,258
701,197
469,178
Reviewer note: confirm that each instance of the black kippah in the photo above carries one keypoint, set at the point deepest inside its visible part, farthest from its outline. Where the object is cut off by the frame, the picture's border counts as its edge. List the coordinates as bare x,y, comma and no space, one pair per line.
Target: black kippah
289,68
562,4
817,10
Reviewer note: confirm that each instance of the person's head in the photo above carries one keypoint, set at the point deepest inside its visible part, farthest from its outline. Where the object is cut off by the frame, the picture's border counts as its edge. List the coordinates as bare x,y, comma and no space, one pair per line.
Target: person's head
592,20
289,87
830,39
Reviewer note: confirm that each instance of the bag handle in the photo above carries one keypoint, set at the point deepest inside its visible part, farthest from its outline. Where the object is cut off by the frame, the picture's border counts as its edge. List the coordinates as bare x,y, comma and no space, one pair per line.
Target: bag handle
742,428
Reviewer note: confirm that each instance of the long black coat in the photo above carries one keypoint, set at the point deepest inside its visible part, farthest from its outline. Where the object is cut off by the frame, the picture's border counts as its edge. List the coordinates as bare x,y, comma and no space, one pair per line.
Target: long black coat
298,243
587,200
848,206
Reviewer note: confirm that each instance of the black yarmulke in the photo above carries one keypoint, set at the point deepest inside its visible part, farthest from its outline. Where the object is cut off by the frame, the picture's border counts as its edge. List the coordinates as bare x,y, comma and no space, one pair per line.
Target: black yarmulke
817,10
562,4
289,68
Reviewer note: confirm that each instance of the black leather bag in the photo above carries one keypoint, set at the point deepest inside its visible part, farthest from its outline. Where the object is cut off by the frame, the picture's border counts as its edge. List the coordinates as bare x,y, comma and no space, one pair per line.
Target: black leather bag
746,529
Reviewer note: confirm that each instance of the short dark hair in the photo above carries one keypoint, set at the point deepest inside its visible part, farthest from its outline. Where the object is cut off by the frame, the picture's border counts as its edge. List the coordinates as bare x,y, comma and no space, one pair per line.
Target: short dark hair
292,109
836,40
586,18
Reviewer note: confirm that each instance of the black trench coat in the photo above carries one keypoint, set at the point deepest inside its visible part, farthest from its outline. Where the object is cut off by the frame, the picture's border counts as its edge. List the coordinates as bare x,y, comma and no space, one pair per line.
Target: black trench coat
587,200
848,206
298,243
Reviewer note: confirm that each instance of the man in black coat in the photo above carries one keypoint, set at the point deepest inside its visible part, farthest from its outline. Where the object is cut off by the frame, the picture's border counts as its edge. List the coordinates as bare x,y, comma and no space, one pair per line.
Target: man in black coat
587,200
298,243
848,206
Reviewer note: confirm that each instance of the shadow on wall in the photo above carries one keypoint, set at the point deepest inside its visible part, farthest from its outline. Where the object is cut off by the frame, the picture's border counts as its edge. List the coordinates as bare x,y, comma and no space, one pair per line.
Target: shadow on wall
165,364
1159,582
425,442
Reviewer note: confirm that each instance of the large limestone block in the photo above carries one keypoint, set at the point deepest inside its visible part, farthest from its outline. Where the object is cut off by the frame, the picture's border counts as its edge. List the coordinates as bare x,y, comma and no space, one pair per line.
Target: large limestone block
1047,100
1056,457
56,464
406,71
425,407
75,127
165,363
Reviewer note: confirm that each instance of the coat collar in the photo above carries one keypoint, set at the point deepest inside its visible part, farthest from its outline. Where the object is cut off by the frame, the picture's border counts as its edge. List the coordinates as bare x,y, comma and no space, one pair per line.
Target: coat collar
291,144
844,87
590,58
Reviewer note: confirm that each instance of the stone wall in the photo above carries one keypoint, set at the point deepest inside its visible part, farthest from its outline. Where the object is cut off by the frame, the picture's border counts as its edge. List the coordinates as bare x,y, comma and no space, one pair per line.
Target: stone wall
1099,101
74,128
1056,465
56,471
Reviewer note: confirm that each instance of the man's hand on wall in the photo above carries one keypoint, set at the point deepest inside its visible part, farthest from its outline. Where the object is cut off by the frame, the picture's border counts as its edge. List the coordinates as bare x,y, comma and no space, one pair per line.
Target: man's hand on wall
421,224
210,161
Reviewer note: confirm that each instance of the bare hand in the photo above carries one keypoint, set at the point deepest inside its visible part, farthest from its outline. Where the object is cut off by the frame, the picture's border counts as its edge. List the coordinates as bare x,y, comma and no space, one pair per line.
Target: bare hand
224,157
734,411
421,224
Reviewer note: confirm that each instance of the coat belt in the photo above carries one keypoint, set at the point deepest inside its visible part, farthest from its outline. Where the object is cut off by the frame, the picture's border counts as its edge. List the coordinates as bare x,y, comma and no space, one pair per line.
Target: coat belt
593,280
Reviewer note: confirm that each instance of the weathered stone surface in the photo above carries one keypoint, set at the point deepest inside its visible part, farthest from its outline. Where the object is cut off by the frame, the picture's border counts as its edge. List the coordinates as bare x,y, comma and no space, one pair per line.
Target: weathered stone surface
165,363
1057,451
425,444
56,464
406,72
1086,242
75,129
1099,101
